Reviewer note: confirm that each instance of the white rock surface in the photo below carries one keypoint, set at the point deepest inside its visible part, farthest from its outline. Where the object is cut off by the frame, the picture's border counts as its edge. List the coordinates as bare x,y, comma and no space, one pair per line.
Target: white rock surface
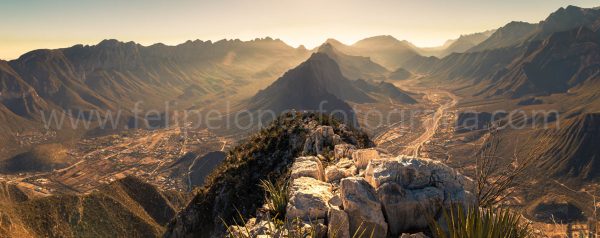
362,206
320,137
309,166
343,169
362,157
308,199
343,151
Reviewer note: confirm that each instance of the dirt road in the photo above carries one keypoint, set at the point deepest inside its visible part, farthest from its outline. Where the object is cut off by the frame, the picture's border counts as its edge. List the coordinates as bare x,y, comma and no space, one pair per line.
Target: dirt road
446,101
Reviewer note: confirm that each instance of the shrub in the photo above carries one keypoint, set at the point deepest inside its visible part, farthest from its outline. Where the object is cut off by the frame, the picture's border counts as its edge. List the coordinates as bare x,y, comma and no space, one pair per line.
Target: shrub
474,222
277,197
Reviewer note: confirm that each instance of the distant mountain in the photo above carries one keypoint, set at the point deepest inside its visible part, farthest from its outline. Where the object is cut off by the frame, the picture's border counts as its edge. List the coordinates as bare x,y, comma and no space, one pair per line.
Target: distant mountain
384,50
514,62
319,82
114,75
511,34
466,42
400,74
563,19
314,83
562,61
354,67
459,45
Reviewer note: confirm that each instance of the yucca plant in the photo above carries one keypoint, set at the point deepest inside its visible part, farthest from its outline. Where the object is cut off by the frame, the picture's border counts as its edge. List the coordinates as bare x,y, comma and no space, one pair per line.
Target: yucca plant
277,197
474,222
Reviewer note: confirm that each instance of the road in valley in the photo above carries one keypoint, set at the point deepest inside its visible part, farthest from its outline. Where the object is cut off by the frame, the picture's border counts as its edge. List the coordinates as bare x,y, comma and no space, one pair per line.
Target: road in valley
446,101
442,101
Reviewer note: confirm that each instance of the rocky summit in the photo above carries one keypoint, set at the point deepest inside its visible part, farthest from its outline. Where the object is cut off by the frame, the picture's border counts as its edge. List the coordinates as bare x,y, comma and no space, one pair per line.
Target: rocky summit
361,191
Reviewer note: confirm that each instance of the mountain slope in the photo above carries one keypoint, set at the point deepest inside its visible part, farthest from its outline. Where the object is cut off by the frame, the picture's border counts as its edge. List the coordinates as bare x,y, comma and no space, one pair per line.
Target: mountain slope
511,34
564,60
318,82
573,150
383,50
233,188
354,67
127,206
564,19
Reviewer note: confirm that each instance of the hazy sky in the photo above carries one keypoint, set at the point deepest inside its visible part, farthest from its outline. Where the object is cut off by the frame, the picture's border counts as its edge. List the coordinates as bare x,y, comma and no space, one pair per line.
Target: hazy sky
33,24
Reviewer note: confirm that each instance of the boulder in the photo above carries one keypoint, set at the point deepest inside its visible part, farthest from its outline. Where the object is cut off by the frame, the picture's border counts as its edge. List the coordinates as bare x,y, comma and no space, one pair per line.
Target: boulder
343,151
361,204
411,189
309,166
339,225
408,210
319,138
308,199
362,157
344,168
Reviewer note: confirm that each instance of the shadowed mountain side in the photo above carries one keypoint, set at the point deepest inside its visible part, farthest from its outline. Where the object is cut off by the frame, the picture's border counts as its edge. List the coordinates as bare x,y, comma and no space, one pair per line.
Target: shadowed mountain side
354,67
572,151
316,84
564,60
384,89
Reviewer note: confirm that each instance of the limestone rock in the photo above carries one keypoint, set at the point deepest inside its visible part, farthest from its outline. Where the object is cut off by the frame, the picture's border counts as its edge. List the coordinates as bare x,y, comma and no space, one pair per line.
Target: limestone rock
344,168
339,225
411,189
319,138
309,166
362,157
308,199
362,206
408,210
343,151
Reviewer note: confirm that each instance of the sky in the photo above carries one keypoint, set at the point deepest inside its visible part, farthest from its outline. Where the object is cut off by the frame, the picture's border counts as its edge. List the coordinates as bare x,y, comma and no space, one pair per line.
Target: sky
35,24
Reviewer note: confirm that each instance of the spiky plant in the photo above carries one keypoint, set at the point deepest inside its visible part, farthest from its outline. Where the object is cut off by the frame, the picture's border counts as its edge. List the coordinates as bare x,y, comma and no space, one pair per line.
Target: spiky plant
474,222
277,197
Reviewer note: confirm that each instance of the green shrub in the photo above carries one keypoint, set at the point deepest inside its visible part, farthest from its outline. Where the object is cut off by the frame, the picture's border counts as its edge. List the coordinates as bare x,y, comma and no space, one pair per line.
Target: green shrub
277,197
475,222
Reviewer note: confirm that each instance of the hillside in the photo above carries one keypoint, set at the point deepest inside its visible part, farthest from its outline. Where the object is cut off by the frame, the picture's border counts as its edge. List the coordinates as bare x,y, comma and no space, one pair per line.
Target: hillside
516,33
305,87
354,67
127,206
383,50
268,154
562,61
572,152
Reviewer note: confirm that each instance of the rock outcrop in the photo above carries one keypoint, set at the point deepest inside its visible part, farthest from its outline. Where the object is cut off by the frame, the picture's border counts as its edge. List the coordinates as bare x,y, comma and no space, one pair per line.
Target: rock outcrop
363,207
320,138
342,169
308,199
309,166
364,156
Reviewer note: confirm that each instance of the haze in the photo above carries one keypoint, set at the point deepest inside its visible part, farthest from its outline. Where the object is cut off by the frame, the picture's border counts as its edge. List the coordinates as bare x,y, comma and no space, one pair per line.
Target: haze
28,25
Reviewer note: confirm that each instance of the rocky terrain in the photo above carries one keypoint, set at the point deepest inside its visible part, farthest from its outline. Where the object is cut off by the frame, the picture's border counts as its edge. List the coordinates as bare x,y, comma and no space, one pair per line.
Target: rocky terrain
336,186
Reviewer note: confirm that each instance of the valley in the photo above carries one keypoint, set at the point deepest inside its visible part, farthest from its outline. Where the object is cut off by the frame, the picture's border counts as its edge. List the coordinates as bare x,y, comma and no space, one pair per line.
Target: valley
160,157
